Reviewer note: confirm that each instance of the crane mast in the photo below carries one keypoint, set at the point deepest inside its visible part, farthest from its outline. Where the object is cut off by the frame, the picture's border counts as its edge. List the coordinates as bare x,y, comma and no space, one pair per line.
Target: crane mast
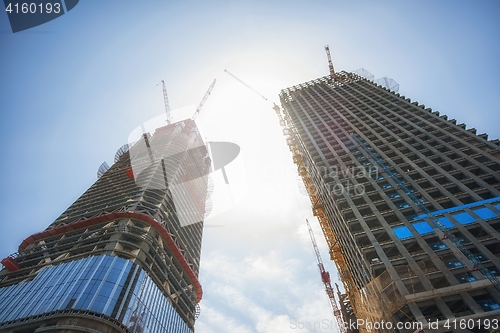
325,277
330,63
167,105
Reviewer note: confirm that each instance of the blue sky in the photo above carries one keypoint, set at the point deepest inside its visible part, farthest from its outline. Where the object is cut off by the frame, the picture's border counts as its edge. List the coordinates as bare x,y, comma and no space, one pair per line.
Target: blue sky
73,89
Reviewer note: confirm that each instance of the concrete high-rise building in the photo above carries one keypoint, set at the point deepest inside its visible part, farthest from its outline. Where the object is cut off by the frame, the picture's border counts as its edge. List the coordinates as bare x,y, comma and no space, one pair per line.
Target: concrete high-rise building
125,256
408,200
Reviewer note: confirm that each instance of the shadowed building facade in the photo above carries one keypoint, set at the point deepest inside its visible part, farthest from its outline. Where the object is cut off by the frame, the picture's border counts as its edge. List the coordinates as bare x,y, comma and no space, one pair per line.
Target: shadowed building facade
408,200
125,256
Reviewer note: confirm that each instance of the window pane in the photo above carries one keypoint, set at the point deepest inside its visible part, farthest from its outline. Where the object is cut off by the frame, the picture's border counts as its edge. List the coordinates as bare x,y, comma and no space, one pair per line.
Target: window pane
438,246
423,228
464,218
402,232
485,213
447,223
453,263
464,277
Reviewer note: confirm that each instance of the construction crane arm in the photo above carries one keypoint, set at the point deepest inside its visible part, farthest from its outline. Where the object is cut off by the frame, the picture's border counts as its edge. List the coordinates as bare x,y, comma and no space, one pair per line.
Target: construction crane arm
198,109
315,246
167,105
325,278
255,91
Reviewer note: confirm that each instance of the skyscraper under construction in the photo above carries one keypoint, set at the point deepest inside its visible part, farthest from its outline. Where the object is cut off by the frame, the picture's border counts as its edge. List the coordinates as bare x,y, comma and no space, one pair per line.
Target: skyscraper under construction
125,256
408,201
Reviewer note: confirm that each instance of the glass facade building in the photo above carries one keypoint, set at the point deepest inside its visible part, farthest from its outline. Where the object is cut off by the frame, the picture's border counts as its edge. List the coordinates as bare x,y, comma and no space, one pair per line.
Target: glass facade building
408,200
125,256
108,285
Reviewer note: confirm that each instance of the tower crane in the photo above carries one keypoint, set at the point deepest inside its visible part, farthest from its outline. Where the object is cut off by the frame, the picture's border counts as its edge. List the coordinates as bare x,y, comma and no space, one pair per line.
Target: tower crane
255,91
325,277
330,63
198,109
167,105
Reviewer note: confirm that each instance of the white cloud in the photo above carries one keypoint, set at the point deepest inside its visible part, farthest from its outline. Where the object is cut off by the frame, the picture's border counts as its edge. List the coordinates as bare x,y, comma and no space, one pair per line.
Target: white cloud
216,321
275,291
270,266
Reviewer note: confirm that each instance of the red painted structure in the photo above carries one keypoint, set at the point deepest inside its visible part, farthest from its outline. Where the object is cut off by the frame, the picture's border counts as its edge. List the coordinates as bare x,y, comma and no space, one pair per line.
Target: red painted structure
11,264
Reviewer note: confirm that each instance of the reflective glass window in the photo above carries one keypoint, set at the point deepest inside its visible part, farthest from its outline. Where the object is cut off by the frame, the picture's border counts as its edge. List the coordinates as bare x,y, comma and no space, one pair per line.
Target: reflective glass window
489,304
438,246
481,257
90,284
453,263
465,278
